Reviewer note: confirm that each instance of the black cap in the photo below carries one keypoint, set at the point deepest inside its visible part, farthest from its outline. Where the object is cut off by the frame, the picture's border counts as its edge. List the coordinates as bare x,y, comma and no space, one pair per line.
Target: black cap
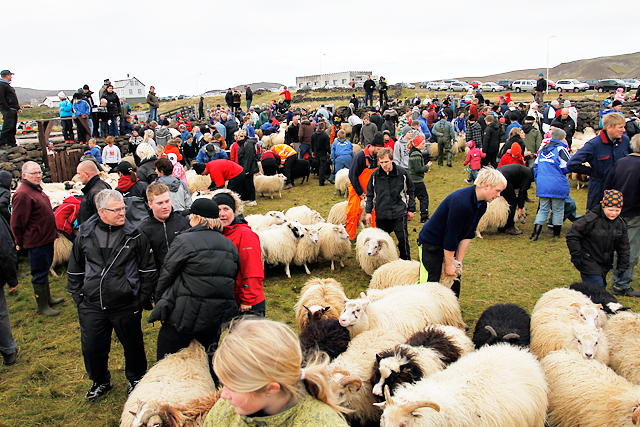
199,168
225,199
616,103
205,208
124,168
165,122
378,140
4,73
472,117
85,87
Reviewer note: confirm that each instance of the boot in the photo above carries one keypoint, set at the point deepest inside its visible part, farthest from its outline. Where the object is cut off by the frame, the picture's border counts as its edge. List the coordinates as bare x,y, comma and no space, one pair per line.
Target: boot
537,228
556,231
40,290
51,300
625,292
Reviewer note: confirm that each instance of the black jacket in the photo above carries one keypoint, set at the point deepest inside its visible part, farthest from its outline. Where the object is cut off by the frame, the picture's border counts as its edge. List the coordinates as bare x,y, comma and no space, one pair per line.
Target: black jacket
594,238
247,156
147,170
567,125
88,204
292,134
5,194
491,138
391,194
126,278
8,256
195,288
519,178
390,126
8,97
369,86
161,234
228,98
249,94
113,103
320,144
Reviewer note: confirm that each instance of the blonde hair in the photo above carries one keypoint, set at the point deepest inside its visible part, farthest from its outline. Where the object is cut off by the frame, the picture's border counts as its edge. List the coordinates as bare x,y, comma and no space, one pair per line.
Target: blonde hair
514,131
269,351
148,134
210,223
613,119
145,151
159,150
342,133
491,177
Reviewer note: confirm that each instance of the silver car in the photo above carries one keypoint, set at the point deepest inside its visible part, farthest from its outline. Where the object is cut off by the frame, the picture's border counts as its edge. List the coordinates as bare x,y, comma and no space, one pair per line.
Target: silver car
524,85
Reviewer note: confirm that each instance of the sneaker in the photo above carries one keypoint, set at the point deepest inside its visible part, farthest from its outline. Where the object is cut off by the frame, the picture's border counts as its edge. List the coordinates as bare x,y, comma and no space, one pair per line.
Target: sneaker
97,390
251,203
288,186
626,292
513,231
131,386
467,181
10,359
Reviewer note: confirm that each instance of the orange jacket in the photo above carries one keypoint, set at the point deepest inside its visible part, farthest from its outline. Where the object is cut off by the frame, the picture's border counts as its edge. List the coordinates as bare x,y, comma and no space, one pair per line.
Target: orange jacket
284,151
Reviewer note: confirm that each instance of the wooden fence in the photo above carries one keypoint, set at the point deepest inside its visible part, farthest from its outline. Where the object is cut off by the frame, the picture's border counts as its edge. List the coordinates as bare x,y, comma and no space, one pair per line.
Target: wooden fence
63,164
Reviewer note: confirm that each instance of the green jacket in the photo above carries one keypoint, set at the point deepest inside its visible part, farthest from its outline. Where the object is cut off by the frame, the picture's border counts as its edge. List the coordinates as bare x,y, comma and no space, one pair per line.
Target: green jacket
310,412
532,139
417,168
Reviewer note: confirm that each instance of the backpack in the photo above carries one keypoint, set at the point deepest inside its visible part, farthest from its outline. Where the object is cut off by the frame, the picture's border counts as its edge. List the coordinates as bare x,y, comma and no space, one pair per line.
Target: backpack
137,210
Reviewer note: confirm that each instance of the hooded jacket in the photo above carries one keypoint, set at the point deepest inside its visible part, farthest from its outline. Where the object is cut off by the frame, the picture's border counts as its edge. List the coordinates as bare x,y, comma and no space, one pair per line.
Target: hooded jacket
88,205
392,194
5,194
550,170
341,147
147,170
417,167
152,100
491,138
305,132
247,156
320,143
161,234
113,103
532,138
67,213
474,157
178,191
8,256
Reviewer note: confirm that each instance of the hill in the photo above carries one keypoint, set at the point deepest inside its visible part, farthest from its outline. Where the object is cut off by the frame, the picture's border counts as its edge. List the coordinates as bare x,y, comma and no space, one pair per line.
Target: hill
25,94
620,66
253,86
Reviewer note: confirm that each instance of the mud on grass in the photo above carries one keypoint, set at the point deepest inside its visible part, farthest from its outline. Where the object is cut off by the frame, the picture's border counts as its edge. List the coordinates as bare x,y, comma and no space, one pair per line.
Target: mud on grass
47,385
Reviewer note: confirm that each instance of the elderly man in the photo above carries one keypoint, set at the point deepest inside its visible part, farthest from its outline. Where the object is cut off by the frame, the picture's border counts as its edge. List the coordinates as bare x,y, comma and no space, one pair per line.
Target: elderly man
549,115
10,108
34,228
566,123
602,152
111,275
88,172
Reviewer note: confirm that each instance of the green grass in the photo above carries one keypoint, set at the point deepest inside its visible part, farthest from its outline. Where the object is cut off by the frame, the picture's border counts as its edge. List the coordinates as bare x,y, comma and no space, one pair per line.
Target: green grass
47,385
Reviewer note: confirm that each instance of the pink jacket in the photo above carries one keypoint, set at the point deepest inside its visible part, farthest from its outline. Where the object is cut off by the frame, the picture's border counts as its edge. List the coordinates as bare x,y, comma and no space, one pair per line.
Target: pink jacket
474,155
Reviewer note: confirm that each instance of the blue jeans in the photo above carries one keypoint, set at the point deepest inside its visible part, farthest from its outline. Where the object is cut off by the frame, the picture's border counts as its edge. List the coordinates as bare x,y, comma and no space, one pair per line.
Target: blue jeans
153,115
40,259
304,148
249,104
633,231
342,162
473,174
547,204
7,343
369,96
113,126
595,279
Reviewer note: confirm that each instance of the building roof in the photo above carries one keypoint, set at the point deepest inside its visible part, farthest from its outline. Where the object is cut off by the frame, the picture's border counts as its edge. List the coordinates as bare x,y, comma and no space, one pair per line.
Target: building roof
118,84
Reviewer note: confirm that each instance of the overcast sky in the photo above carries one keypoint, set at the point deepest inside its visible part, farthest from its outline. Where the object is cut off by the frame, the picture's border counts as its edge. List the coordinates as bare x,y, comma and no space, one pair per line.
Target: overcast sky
188,47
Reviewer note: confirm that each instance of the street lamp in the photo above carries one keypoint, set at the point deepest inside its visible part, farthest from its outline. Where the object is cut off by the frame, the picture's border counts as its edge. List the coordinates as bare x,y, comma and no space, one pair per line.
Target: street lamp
321,81
548,40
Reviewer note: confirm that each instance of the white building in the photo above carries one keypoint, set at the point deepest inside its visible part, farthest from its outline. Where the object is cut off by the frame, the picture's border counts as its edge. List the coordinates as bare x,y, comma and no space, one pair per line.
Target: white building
51,101
343,78
131,89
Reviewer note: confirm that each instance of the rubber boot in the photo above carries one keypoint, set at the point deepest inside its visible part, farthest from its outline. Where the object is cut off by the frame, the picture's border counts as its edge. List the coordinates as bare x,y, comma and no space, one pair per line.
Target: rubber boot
537,228
556,231
51,300
40,290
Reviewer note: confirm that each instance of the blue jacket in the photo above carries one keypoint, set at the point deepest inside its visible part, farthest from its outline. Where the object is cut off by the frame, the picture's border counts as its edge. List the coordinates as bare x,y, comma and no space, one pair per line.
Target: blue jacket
601,153
341,148
185,135
550,170
511,126
204,158
95,152
460,125
126,128
221,129
66,109
424,128
81,107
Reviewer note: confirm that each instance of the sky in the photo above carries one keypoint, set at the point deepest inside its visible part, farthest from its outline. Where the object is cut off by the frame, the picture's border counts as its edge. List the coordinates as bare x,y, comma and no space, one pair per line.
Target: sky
195,46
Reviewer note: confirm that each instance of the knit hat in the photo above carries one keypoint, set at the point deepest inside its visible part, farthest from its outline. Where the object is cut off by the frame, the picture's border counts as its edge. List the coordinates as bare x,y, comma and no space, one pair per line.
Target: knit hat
616,103
567,104
471,144
378,140
612,199
211,149
406,129
205,208
225,199
61,94
541,75
199,168
516,150
372,109
165,122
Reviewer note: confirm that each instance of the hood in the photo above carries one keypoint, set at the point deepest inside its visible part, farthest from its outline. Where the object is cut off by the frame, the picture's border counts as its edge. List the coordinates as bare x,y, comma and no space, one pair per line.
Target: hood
306,122
5,179
74,200
320,131
341,140
471,144
170,181
527,127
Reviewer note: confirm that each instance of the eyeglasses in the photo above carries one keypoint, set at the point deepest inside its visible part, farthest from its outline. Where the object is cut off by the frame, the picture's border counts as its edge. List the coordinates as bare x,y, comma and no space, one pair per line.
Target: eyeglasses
34,173
119,210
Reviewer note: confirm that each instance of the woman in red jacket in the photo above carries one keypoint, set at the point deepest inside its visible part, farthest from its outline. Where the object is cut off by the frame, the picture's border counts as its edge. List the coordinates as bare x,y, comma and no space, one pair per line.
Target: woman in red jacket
248,292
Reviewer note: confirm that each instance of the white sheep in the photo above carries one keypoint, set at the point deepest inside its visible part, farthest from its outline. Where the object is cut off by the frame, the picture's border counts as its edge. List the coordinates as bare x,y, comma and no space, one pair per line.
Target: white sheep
357,148
61,252
398,272
446,280
496,216
308,249
269,184
586,393
351,373
374,247
623,333
496,386
278,244
334,243
176,380
319,299
338,214
574,306
197,182
405,309
304,215
262,222
342,182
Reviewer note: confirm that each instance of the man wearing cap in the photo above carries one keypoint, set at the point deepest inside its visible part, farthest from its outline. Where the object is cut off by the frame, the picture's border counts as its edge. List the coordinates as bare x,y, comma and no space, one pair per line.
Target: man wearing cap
541,88
364,163
10,108
566,123
595,237
376,118
111,276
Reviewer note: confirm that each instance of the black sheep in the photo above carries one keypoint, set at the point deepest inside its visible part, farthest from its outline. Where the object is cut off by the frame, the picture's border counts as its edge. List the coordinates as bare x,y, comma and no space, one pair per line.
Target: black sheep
599,295
324,335
508,323
437,340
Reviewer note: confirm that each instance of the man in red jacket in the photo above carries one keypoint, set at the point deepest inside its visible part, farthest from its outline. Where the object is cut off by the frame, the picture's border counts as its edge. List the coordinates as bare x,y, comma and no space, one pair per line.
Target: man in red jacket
34,228
220,170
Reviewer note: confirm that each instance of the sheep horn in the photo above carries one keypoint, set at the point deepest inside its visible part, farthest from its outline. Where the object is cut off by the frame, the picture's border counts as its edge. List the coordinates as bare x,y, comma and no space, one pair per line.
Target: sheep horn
387,395
351,379
490,329
305,307
636,415
133,413
412,406
511,336
325,309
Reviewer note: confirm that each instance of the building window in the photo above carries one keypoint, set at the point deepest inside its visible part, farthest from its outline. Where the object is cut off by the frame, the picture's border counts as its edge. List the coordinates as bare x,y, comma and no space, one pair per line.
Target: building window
344,81
130,91
335,82
139,91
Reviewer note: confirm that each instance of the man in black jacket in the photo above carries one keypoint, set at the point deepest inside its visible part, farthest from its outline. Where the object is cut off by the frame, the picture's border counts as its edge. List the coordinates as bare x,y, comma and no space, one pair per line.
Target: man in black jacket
541,87
248,93
391,192
565,123
518,177
491,142
321,150
10,108
228,98
88,172
111,275
369,86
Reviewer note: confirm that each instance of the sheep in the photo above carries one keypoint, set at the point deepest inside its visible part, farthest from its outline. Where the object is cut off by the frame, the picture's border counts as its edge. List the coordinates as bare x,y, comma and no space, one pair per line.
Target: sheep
496,386
192,414
197,182
374,247
324,335
350,373
176,380
338,214
304,215
574,306
334,243
269,184
407,309
508,323
278,138
446,280
458,336
319,299
623,333
357,148
263,222
434,149
278,244
61,252
308,248
496,215
398,272
586,393
581,179
342,182
598,295
347,128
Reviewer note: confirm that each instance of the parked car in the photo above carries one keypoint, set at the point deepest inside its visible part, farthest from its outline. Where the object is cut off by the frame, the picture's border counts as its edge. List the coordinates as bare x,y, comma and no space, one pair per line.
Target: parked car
449,81
437,86
524,85
505,83
329,86
491,86
460,86
475,84
571,85
26,106
408,86
611,84
551,83
592,83
359,84
633,83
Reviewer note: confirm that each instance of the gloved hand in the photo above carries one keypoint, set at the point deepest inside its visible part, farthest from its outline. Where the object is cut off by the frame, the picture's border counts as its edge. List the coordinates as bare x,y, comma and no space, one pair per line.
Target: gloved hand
577,261
161,312
620,273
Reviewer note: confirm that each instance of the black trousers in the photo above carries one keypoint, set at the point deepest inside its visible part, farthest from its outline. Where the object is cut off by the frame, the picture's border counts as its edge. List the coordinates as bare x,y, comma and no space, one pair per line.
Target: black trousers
323,165
288,165
355,134
248,189
422,195
96,326
236,184
490,159
432,257
96,125
383,94
67,129
399,227
509,195
82,135
9,122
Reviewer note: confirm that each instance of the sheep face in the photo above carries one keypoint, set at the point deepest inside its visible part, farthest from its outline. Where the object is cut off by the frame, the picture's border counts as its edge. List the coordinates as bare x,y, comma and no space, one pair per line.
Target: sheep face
144,413
316,312
278,215
314,235
345,386
353,310
341,232
387,368
297,229
587,340
588,313
409,414
374,246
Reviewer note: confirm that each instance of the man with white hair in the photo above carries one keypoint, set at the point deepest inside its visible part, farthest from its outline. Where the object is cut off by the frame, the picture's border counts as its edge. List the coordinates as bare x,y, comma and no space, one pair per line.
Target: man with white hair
111,275
549,115
566,123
